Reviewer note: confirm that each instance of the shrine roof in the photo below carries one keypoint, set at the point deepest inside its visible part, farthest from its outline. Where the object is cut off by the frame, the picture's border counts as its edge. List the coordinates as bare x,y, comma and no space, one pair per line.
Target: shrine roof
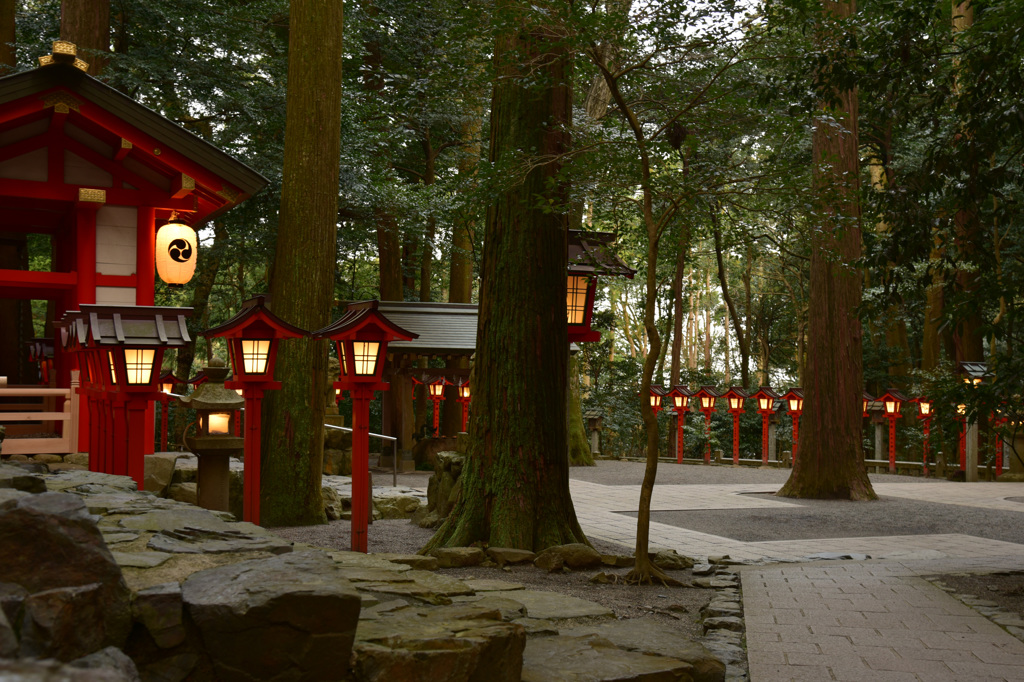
443,328
220,181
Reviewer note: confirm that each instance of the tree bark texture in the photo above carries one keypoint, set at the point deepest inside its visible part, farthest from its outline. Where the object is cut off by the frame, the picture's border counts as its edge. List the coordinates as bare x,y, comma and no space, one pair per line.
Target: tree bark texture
830,463
302,290
515,490
7,36
86,23
460,273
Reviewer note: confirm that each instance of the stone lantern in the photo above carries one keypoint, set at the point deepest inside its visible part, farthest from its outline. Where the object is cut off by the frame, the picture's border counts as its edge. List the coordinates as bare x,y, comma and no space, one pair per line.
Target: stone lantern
214,444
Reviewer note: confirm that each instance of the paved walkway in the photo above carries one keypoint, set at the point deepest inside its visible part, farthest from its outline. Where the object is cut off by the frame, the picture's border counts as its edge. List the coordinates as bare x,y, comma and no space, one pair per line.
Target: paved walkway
842,620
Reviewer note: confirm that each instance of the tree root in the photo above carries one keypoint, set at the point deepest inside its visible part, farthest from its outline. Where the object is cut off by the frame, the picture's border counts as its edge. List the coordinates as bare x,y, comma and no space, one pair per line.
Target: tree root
648,576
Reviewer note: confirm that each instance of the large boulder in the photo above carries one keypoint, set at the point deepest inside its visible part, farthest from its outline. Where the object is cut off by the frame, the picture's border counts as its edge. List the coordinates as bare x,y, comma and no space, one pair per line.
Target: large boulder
332,503
461,643
80,603
291,615
596,659
338,462
396,506
575,556
159,472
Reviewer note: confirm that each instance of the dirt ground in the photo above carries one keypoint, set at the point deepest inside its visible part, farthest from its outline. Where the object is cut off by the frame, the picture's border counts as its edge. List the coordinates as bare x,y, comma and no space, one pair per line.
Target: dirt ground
1005,589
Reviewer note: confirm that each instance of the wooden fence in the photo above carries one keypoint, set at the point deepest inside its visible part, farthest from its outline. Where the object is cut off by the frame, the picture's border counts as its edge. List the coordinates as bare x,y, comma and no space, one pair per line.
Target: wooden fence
39,416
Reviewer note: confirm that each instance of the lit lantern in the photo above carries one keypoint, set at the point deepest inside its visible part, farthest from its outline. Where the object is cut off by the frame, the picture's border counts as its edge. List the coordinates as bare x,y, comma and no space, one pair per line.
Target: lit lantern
216,407
892,400
253,336
765,398
706,395
463,399
589,255
865,401
795,400
735,397
361,336
436,388
657,393
924,413
176,250
680,404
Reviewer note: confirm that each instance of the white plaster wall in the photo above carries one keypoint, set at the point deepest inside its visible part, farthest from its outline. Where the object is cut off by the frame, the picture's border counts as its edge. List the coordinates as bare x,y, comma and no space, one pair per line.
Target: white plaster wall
31,166
115,295
24,132
78,171
116,234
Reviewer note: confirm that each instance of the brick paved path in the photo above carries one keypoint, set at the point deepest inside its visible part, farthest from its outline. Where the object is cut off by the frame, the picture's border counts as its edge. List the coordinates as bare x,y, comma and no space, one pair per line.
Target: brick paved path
868,621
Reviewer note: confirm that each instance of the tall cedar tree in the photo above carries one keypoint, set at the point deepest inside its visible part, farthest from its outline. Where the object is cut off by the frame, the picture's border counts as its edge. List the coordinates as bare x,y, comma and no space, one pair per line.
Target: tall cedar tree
830,463
86,23
302,286
515,489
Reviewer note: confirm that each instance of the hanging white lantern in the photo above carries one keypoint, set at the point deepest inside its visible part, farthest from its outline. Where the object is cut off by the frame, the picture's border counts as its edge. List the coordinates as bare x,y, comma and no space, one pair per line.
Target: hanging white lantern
176,251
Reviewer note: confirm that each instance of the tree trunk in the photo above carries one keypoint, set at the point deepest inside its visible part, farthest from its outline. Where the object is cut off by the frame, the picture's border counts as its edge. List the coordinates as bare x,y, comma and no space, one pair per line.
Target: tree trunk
86,23
830,463
460,275
302,289
677,313
516,480
742,340
7,36
389,256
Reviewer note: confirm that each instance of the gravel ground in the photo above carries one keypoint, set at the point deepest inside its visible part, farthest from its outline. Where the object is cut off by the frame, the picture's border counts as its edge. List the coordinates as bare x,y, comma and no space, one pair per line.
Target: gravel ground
1005,589
812,519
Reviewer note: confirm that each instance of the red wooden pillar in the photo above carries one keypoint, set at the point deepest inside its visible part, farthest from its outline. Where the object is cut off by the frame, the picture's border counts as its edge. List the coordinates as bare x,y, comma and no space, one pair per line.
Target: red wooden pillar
927,428
361,396
164,403
764,438
121,436
85,254
892,444
736,439
796,435
1000,444
251,493
137,411
707,437
680,425
145,294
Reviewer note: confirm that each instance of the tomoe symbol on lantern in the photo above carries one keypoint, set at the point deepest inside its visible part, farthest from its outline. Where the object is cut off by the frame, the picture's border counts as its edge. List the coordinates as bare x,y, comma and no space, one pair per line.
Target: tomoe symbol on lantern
179,250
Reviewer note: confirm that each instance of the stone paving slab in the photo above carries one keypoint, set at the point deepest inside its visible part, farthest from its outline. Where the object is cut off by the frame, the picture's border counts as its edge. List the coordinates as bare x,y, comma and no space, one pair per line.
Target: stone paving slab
868,621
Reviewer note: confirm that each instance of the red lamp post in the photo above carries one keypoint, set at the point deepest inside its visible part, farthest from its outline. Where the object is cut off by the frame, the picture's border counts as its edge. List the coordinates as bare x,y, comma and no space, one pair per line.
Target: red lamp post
167,382
436,389
253,335
924,413
765,398
892,400
735,397
680,396
795,402
361,337
463,400
127,344
706,395
589,255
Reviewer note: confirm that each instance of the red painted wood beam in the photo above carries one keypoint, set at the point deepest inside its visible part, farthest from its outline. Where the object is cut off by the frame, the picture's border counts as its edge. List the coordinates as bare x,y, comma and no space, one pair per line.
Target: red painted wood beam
20,108
123,151
117,281
85,254
29,144
182,185
147,145
115,195
119,172
40,280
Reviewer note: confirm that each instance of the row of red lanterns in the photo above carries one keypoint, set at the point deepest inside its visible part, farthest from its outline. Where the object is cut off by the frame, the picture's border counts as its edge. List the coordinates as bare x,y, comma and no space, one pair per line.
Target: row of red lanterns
435,389
706,397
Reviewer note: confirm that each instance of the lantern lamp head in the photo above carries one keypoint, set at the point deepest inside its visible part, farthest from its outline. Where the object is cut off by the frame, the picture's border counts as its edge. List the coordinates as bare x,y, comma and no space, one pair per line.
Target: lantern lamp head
176,250
925,407
437,389
464,391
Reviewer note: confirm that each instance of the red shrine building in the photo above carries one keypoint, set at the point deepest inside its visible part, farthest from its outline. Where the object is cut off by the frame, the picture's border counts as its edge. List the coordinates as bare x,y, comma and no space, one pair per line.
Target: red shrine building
97,174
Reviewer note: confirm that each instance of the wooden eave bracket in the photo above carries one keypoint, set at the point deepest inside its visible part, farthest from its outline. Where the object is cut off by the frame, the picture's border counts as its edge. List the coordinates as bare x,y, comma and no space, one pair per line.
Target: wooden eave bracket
182,185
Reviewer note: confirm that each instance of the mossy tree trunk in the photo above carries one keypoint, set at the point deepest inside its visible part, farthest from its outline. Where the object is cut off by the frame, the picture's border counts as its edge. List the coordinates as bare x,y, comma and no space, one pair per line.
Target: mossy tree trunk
302,289
830,464
516,480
